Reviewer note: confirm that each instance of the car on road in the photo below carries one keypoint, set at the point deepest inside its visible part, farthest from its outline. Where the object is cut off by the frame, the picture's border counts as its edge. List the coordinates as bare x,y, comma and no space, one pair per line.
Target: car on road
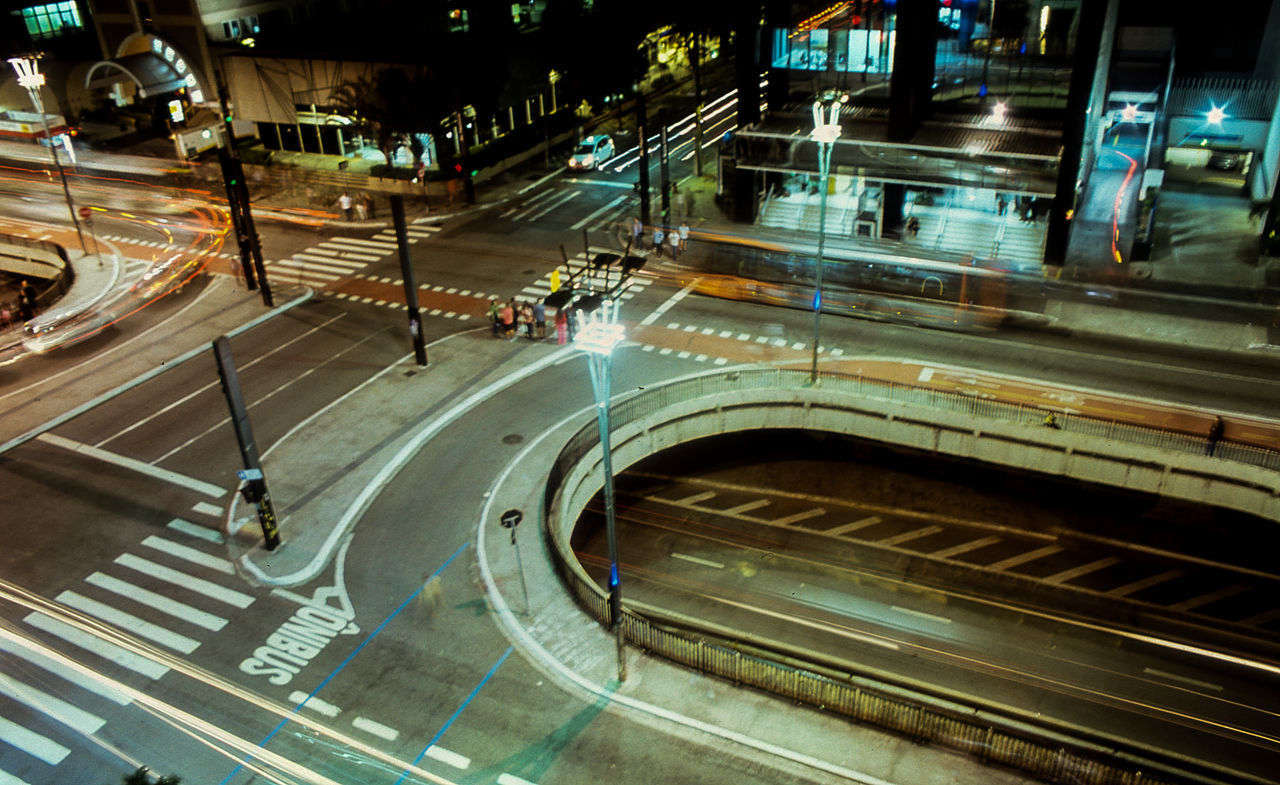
591,152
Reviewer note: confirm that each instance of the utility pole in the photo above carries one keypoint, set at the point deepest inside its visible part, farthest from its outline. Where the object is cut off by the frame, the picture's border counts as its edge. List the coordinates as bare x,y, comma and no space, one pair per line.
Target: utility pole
254,482
406,274
645,213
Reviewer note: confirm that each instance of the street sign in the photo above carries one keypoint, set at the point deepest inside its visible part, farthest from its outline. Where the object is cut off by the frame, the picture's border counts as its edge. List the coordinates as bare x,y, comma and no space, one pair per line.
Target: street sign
249,474
511,518
86,213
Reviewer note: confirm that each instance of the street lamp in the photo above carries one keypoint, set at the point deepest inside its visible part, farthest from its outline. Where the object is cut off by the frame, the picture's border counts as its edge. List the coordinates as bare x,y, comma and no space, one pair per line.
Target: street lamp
826,129
598,332
29,76
553,77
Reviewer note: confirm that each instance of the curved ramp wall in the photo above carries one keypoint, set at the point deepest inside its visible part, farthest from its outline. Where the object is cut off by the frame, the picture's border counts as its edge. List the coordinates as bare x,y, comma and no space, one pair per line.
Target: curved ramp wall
1093,451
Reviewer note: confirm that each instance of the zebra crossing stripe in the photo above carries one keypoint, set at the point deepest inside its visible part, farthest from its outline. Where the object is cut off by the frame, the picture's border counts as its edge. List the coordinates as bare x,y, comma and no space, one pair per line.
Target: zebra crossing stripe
343,253
55,708
179,610
27,650
32,743
198,585
190,554
129,622
95,645
383,245
192,530
325,264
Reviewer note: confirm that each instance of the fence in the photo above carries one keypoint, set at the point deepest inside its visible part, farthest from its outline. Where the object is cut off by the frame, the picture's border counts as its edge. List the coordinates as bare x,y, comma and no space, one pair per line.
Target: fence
1053,755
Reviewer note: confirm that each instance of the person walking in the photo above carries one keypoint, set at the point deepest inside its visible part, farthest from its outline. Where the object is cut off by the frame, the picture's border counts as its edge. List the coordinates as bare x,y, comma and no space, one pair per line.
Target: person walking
658,237
539,320
684,236
345,203
674,240
495,316
562,326
507,313
26,301
526,320
637,233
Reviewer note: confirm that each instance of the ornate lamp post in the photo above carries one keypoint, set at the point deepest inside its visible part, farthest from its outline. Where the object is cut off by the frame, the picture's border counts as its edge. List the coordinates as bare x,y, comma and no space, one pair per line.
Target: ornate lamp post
29,76
597,334
826,129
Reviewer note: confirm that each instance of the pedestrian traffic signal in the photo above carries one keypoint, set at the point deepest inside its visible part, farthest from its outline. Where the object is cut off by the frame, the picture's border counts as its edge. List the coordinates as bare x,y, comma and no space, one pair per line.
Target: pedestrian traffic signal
457,168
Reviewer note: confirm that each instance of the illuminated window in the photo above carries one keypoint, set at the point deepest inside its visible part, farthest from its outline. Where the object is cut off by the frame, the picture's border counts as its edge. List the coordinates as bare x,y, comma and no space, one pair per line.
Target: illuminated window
48,21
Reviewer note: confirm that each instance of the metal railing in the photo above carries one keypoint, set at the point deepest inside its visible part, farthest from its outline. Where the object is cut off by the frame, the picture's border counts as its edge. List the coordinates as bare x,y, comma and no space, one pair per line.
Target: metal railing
1048,753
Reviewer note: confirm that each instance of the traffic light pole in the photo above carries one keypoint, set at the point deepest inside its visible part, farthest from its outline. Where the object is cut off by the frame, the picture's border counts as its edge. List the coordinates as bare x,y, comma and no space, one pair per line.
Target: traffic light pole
406,274
254,486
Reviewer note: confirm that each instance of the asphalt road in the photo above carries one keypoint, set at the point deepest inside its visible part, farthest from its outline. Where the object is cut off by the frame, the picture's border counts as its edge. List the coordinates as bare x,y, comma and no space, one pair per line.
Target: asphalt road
417,657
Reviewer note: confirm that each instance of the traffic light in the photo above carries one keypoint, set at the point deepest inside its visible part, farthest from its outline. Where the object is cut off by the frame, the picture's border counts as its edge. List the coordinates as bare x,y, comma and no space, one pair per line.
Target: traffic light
457,168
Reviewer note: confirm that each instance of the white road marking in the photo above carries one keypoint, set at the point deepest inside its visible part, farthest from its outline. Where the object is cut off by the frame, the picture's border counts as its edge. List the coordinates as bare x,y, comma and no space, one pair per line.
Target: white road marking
553,205
199,532
591,217
697,560
921,614
1144,583
198,585
205,508
178,610
33,743
31,652
315,704
800,516
965,547
511,779
1175,677
54,708
208,489
1023,558
190,554
95,645
1083,569
376,728
448,756
145,629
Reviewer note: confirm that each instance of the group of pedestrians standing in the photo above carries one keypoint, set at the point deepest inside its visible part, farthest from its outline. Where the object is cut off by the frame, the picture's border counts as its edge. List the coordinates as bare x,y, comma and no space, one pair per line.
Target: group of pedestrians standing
674,241
514,317
360,207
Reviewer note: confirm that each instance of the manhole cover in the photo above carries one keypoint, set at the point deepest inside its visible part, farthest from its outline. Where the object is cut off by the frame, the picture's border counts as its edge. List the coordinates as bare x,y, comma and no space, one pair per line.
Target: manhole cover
512,438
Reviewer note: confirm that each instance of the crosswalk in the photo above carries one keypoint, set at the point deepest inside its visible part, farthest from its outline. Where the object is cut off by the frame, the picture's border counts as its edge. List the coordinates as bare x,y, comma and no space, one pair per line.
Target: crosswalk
537,205
342,257
169,592
319,266
589,279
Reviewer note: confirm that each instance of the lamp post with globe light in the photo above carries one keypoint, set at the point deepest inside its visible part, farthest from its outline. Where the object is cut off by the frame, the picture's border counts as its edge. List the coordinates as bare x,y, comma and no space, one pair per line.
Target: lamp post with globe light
597,334
826,129
29,77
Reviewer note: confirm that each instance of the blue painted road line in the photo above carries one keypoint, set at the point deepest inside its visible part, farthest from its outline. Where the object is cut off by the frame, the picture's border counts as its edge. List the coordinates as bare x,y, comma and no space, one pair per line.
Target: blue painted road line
352,655
458,713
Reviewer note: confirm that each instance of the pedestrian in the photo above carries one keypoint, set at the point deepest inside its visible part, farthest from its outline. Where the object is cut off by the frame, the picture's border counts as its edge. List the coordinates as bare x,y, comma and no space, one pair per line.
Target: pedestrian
507,314
674,239
1001,205
1050,421
525,318
26,301
562,326
658,237
369,204
637,233
539,320
684,235
362,208
495,316
913,226
1215,435
345,203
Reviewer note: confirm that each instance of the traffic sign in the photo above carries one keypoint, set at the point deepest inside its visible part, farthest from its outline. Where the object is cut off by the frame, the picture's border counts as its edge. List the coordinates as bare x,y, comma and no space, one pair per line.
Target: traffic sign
511,518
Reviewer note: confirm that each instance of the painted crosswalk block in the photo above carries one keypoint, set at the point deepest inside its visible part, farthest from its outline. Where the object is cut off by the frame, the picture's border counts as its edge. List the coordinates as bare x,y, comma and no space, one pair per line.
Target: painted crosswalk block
537,205
171,592
342,257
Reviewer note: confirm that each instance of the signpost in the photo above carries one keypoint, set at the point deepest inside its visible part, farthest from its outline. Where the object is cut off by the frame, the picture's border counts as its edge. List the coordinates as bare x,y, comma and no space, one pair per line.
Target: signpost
86,215
510,520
